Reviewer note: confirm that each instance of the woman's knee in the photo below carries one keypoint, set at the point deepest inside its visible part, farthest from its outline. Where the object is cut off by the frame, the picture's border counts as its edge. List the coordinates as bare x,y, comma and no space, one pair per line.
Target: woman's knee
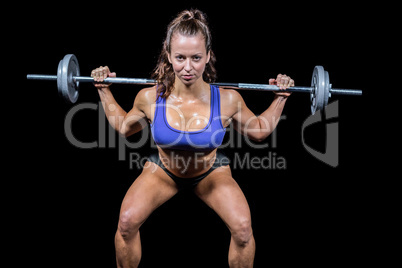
242,231
130,222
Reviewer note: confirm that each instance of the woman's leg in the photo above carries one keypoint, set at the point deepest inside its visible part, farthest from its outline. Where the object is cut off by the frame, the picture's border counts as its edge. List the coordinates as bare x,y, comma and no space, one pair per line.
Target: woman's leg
222,193
150,190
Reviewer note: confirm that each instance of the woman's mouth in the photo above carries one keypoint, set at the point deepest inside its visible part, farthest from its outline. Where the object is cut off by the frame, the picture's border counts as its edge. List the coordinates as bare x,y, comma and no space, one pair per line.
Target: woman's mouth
188,77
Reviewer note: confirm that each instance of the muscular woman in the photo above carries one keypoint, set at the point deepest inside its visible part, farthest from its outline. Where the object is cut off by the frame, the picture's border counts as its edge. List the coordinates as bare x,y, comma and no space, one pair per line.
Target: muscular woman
188,119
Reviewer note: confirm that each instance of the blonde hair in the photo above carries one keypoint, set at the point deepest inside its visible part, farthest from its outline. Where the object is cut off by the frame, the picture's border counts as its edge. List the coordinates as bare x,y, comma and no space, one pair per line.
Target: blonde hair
188,23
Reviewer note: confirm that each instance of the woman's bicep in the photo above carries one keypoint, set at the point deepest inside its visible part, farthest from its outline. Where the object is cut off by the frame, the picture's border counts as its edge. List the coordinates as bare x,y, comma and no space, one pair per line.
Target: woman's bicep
134,121
256,127
242,117
137,118
245,121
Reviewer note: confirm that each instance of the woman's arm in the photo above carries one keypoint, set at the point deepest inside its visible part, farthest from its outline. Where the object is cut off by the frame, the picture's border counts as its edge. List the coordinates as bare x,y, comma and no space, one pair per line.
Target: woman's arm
260,127
125,123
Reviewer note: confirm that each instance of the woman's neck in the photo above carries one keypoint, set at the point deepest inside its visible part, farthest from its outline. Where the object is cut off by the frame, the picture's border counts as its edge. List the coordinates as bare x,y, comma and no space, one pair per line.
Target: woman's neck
195,90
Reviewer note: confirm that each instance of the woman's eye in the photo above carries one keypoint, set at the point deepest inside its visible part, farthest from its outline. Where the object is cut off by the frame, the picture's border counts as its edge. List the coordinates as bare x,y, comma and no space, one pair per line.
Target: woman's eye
196,58
179,58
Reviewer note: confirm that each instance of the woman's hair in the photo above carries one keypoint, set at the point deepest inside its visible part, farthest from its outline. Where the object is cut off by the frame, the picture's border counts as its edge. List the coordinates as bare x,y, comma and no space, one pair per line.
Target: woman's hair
187,23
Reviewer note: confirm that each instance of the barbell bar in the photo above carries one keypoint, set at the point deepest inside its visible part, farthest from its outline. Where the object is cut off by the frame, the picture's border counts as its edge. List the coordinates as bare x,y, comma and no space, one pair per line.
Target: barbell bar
68,80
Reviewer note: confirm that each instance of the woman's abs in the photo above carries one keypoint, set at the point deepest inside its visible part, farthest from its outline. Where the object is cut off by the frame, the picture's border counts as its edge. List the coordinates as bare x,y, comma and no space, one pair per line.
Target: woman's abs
187,163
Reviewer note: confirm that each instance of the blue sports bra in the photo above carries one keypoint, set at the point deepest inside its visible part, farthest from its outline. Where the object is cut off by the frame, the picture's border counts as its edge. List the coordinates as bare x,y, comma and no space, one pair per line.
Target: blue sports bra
208,138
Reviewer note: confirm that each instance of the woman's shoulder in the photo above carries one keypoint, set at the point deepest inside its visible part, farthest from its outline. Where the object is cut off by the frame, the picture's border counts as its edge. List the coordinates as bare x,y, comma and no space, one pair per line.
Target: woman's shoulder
147,95
231,100
230,96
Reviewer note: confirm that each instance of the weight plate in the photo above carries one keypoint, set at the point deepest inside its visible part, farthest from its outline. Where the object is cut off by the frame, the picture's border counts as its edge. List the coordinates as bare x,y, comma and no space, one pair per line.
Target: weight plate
59,87
327,89
317,95
68,89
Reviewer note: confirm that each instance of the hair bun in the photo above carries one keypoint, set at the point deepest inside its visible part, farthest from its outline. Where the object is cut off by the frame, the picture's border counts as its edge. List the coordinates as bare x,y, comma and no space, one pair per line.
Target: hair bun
192,14
187,15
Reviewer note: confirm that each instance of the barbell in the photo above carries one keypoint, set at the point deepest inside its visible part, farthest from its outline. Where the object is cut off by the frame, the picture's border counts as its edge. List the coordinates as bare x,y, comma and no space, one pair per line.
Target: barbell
68,80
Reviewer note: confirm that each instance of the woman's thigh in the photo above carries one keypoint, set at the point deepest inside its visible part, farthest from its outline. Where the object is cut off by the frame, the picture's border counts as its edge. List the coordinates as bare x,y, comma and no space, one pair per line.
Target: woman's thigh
222,193
150,190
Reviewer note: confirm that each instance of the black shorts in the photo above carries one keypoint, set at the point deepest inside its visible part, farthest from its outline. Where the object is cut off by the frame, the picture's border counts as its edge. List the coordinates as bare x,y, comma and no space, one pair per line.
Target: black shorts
185,183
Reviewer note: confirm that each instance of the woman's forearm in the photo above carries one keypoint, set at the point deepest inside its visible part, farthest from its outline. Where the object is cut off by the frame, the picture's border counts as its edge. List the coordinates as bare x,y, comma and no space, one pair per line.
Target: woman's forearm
269,119
114,113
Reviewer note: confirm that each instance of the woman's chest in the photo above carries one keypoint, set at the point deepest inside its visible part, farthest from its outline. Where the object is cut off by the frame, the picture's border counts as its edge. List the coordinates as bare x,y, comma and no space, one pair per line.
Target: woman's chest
189,115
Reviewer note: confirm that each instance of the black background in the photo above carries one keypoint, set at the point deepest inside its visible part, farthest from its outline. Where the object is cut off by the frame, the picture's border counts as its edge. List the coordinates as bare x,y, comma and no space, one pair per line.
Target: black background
309,213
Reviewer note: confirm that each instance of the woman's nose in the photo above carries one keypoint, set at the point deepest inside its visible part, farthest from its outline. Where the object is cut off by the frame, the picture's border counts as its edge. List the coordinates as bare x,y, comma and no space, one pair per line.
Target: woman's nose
187,66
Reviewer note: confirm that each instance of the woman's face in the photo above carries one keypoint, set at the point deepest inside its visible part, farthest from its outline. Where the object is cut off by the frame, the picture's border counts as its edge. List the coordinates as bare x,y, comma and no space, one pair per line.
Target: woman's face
188,57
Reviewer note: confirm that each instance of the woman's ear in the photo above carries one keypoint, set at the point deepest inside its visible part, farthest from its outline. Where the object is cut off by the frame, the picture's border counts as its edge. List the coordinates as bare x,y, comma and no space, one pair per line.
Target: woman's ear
168,55
208,56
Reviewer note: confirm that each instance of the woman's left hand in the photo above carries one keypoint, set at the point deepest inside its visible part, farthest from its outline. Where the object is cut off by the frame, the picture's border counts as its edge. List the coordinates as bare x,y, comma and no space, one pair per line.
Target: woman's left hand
283,82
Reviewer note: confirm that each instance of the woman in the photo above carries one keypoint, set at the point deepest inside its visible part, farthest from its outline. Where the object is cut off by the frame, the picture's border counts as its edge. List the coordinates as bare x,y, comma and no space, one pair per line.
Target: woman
188,119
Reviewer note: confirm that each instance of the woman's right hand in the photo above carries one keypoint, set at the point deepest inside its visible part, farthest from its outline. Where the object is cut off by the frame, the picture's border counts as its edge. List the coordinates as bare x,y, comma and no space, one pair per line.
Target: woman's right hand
99,74
283,82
